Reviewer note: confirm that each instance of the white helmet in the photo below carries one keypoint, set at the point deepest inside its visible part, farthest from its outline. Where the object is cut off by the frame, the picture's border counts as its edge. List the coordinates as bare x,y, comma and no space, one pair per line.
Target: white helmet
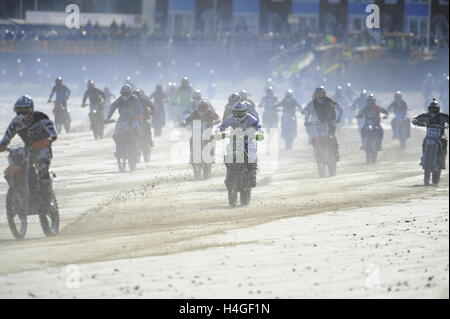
197,95
243,94
240,111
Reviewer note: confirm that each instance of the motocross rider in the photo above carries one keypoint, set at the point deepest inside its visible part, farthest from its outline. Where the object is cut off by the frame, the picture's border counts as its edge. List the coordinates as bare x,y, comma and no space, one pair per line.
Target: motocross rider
342,99
38,132
131,112
148,109
289,106
434,116
400,109
184,95
358,105
371,113
159,119
242,119
269,103
62,93
324,110
205,113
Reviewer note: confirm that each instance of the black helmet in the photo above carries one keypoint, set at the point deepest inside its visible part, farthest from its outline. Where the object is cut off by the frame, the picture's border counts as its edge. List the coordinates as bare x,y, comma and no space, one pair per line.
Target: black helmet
320,92
24,105
125,90
58,80
202,106
434,107
90,84
234,98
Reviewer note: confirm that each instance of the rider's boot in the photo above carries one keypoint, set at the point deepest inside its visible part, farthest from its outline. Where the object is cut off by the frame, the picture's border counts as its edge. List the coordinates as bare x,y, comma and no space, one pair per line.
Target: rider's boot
444,154
253,167
45,183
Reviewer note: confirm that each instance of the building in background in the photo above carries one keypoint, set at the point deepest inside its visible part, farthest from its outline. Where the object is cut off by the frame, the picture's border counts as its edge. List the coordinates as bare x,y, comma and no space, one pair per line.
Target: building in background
334,17
304,16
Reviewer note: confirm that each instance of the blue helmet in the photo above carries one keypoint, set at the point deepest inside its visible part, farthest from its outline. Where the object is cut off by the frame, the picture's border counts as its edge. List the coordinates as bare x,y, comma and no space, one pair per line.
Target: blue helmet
24,105
240,111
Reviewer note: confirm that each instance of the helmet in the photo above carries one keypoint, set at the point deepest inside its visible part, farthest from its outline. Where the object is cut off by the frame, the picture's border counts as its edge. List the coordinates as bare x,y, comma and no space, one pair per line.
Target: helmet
371,98
234,98
338,88
239,111
320,92
138,92
90,84
125,90
185,81
128,79
202,106
349,85
159,87
363,93
289,93
24,105
58,80
434,107
243,94
398,95
197,95
269,91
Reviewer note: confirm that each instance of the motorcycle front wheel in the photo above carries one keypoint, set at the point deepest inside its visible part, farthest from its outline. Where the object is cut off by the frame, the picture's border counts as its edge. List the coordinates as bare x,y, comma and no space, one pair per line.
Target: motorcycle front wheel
15,213
49,217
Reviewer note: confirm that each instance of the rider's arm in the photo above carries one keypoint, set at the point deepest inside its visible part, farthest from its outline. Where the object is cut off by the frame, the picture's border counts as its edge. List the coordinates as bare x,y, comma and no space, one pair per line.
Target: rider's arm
85,96
420,120
67,92
339,111
361,113
51,94
49,127
112,109
391,107
10,133
225,123
384,111
100,92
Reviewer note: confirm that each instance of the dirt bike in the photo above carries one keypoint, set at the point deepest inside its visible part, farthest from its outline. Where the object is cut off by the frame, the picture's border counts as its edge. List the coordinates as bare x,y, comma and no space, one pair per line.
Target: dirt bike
324,148
371,140
401,126
202,169
270,118
62,117
432,153
96,117
126,138
158,120
239,170
145,140
26,196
